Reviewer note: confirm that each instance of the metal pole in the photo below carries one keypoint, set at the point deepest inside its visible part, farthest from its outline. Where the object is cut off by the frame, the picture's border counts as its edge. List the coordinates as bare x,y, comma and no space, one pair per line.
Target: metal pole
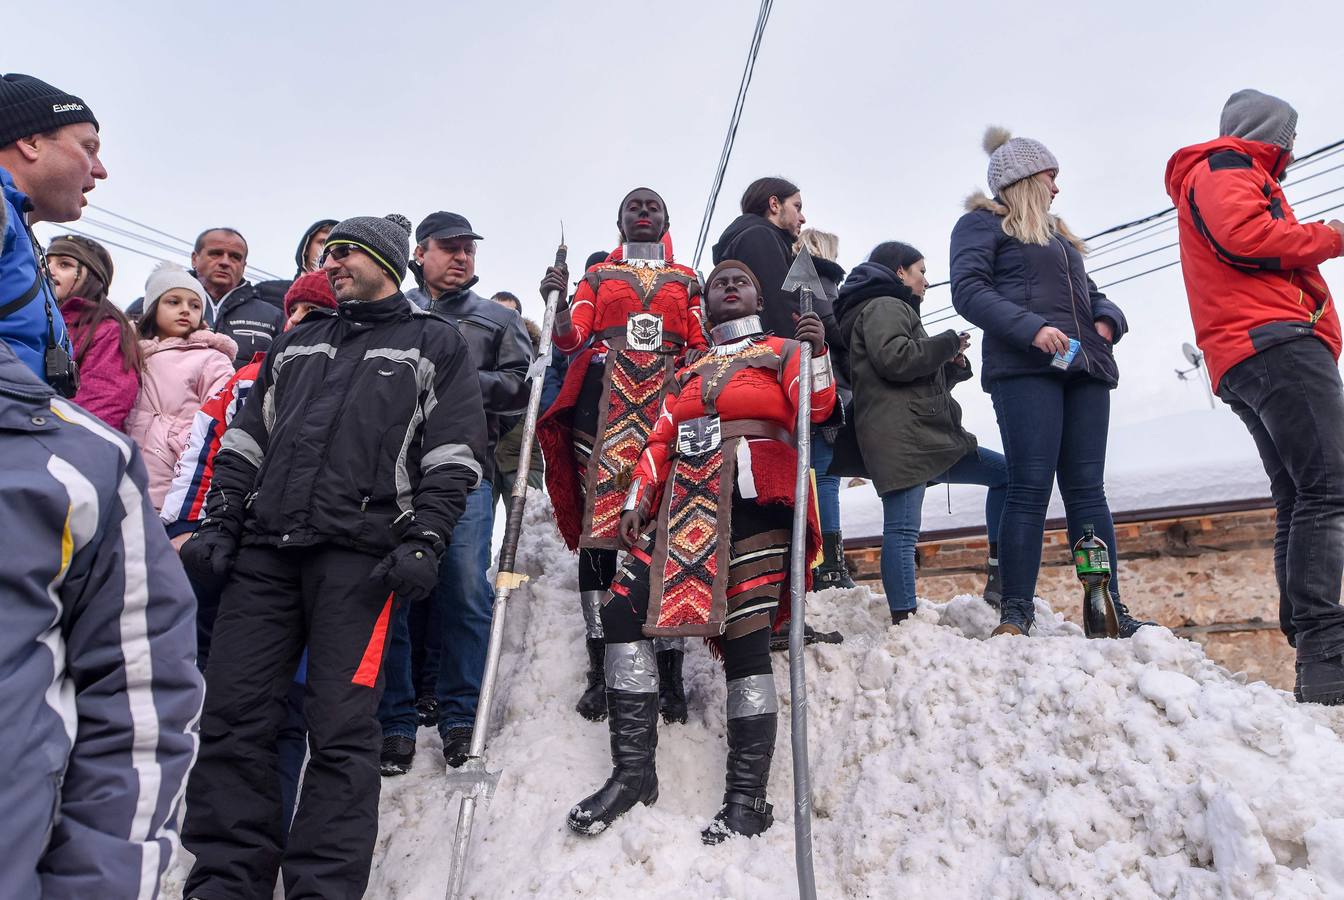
472,778
802,782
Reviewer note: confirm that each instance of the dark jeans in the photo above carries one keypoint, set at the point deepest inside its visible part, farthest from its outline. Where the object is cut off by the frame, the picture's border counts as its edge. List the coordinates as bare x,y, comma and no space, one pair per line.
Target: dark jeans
828,486
275,602
464,600
903,510
1291,400
1054,429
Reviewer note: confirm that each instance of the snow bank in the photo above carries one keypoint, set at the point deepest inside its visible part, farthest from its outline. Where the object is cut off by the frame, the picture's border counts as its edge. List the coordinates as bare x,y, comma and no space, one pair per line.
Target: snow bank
1202,456
944,765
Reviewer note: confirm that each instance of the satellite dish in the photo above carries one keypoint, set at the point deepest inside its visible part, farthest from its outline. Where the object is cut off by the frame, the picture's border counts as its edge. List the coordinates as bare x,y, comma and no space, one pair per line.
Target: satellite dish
1192,355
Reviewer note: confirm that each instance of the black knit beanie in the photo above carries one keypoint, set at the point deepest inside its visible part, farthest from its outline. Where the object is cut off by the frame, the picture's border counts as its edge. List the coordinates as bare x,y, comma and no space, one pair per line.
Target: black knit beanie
30,106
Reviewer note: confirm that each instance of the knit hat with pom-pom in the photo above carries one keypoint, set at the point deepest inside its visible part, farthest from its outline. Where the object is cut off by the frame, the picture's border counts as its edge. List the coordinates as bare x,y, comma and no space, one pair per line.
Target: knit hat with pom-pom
386,239
167,276
1012,158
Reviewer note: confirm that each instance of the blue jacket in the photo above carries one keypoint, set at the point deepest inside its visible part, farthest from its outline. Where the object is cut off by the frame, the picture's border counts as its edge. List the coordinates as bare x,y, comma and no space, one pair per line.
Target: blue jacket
1011,290
24,329
99,692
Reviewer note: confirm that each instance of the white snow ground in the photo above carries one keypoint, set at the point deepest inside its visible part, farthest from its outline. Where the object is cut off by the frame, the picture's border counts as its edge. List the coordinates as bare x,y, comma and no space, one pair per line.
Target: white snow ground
944,765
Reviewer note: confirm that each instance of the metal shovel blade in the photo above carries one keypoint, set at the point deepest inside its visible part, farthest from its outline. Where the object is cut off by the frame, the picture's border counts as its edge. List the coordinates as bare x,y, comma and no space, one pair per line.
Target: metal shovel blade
803,274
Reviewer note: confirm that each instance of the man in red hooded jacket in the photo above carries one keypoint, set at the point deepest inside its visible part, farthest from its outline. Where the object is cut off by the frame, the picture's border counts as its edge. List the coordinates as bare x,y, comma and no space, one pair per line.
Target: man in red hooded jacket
1265,320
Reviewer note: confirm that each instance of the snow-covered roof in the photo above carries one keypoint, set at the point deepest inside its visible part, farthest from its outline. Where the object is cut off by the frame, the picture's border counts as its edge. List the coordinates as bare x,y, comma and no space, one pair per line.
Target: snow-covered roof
1183,459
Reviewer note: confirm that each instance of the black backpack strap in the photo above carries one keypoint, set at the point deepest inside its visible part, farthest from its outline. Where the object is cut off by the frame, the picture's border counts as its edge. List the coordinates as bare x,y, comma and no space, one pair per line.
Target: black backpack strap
14,306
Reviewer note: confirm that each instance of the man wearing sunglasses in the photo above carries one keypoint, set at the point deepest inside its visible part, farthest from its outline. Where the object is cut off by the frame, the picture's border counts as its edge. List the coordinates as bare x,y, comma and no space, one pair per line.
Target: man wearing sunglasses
342,478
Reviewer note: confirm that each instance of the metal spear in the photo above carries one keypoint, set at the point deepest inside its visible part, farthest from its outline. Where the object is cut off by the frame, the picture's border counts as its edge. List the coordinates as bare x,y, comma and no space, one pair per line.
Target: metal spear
802,277
473,779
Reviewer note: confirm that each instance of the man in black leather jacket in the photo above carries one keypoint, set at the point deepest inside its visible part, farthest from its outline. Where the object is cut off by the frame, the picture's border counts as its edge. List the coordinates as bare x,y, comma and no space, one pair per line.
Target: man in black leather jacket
452,633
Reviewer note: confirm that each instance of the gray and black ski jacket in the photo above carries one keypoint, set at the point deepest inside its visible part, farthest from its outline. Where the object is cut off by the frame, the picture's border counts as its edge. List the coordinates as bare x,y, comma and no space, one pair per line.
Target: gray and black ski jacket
360,421
99,692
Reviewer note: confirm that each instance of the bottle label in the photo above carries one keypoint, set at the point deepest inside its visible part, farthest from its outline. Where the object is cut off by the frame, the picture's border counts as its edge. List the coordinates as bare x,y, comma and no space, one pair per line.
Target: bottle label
1095,561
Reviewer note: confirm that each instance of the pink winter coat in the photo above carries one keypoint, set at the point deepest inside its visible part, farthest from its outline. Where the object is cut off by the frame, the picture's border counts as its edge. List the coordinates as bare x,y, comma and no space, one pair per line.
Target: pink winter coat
107,385
180,375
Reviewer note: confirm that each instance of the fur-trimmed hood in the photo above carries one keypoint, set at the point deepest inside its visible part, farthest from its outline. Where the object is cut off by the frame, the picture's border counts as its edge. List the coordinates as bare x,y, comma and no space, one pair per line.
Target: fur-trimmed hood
203,339
980,200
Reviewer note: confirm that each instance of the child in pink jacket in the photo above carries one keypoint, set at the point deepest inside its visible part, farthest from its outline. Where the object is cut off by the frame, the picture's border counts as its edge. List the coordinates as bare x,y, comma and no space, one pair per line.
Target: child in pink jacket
106,344
185,365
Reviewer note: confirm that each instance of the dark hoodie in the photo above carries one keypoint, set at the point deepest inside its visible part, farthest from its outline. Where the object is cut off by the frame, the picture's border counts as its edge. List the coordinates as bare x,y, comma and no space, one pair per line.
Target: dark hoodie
768,251
273,292
866,282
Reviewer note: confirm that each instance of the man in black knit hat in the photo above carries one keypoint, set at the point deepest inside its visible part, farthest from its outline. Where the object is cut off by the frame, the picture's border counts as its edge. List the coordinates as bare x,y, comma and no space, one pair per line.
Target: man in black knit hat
342,478
48,161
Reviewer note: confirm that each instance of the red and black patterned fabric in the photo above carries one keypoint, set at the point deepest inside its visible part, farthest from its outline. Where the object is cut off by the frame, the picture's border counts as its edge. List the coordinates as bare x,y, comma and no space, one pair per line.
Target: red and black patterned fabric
705,576
587,493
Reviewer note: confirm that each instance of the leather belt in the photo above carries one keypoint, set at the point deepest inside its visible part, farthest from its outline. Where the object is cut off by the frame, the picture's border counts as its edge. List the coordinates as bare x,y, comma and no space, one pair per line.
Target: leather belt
756,428
750,428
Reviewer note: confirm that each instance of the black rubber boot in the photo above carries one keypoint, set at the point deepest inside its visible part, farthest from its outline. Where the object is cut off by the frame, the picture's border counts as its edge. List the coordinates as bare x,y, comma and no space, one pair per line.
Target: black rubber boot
633,720
593,704
1321,681
671,691
397,755
900,615
1128,624
751,744
832,573
993,587
456,745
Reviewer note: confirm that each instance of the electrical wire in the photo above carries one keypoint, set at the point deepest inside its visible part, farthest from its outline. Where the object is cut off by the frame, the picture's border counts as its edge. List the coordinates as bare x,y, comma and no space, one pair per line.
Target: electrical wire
762,17
190,245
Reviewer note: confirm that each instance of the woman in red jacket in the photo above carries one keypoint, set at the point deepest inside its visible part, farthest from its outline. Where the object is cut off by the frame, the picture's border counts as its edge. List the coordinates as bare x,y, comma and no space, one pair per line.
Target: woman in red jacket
641,312
716,481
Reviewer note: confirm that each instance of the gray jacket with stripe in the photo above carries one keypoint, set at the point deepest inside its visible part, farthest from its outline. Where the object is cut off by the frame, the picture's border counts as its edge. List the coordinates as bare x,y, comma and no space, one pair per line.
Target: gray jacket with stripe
362,422
99,692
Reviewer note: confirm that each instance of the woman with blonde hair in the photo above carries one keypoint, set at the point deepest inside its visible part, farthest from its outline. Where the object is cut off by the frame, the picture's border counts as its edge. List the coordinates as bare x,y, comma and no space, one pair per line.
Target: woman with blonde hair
832,573
1017,273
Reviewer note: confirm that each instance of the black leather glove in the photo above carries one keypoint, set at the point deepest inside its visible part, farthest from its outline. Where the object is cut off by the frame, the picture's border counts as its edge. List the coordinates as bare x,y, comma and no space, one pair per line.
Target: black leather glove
411,570
209,553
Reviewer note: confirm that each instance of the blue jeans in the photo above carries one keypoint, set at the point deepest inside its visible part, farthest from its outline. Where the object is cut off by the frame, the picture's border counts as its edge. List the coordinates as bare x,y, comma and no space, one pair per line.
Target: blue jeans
465,601
828,486
1054,429
902,512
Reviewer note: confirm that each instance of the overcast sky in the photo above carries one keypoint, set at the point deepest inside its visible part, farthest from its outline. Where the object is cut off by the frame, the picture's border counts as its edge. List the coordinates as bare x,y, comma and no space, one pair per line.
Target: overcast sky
266,116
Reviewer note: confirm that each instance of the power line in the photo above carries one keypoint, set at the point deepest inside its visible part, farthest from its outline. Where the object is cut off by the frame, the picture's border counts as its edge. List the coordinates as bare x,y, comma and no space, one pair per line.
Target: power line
191,245
762,16
1319,152
104,209
103,240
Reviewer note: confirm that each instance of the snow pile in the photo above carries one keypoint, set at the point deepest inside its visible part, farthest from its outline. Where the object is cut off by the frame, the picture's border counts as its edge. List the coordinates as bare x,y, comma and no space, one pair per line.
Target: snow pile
944,765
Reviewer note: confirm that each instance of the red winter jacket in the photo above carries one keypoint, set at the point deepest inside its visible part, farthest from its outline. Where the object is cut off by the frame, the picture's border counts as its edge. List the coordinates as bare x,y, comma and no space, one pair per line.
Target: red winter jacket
1250,266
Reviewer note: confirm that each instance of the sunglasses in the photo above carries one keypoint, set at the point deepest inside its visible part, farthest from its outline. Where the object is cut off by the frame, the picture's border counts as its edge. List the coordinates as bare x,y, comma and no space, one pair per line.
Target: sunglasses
337,252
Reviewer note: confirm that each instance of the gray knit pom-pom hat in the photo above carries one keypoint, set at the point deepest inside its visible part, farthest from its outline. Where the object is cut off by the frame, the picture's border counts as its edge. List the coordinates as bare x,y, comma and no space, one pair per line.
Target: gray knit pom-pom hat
1013,158
386,239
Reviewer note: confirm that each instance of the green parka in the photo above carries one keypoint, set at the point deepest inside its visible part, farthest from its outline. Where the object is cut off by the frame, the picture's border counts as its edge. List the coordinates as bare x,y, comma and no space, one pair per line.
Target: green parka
908,426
